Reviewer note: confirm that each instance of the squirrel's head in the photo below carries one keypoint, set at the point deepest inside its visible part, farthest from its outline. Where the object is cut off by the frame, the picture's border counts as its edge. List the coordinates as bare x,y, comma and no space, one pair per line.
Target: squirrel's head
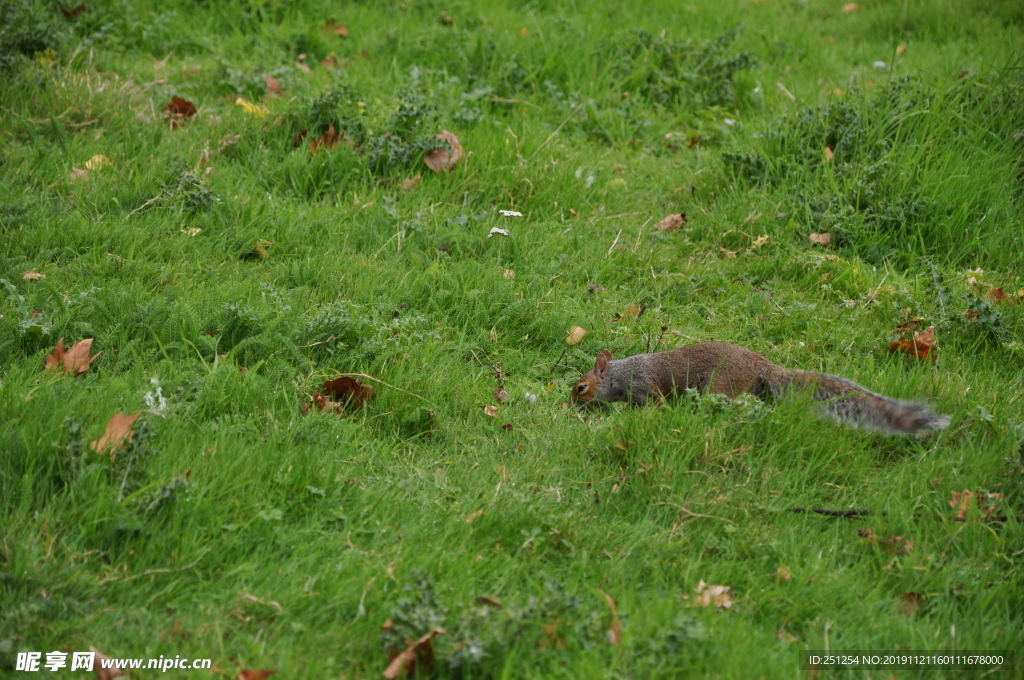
585,389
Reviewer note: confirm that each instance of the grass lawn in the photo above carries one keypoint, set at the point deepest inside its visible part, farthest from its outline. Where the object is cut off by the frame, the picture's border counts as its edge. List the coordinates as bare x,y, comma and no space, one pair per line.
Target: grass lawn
282,229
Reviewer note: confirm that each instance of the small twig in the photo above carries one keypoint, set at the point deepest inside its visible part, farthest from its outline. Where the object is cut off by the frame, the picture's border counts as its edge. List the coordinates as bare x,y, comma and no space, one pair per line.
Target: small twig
697,514
834,513
560,126
146,204
613,243
163,571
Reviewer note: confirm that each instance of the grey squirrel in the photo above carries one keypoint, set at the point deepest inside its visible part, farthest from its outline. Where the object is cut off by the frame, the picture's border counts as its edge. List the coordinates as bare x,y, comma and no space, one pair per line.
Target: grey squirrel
732,370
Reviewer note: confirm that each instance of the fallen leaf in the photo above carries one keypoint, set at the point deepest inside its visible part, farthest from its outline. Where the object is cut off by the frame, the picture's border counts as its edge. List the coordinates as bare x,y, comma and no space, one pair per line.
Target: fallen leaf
759,241
705,596
632,312
332,26
79,174
32,275
75,360
71,13
508,426
524,32
500,395
440,160
261,674
273,84
823,239
97,666
575,335
999,296
96,162
117,433
473,516
961,503
410,183
446,19
851,7
491,411
330,61
784,635
349,391
594,289
671,223
893,544
910,602
909,325
178,110
252,109
615,631
900,49
508,275
728,253
828,153
327,140
490,601
783,574
418,656
922,346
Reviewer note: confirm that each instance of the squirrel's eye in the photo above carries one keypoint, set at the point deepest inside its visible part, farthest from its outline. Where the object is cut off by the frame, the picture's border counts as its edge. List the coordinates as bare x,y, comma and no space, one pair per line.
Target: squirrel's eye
580,389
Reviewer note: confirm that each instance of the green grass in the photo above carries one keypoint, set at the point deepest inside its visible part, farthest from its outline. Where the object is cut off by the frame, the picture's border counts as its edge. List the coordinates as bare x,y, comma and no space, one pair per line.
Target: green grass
238,528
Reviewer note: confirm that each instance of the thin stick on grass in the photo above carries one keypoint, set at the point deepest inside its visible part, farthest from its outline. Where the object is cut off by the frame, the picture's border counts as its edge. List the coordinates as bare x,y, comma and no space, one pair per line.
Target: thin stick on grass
551,136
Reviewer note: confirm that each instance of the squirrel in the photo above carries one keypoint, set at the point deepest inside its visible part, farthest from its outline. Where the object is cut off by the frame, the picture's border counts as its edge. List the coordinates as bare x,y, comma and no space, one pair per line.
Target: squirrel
732,370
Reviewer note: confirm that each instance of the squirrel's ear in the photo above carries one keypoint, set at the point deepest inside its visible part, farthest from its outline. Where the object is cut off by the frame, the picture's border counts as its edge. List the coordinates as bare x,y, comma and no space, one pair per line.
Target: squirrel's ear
601,363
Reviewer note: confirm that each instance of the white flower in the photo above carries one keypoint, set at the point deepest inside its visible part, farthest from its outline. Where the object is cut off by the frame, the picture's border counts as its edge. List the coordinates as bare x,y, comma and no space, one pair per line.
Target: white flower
728,121
532,398
510,213
500,232
878,64
155,400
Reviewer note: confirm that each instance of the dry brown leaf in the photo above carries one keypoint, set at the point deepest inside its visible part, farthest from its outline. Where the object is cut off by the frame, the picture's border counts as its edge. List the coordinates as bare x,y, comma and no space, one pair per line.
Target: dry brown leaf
909,325
575,335
731,254
447,19
524,32
823,239
330,61
900,49
500,395
783,574
75,360
828,153
594,289
72,13
97,666
910,602
260,674
893,544
491,411
615,631
621,445
32,275
300,63
784,635
999,297
440,160
178,111
508,275
418,656
671,223
490,601
79,174
349,391
632,312
327,140
922,346
273,84
473,516
410,183
508,426
851,7
332,26
117,434
705,596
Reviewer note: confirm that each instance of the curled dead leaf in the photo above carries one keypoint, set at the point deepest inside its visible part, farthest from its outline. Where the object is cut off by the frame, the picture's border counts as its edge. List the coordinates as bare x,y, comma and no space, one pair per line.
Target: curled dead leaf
671,223
783,574
75,360
256,674
328,140
332,26
999,297
473,516
850,7
615,631
491,411
410,183
508,275
273,84
417,658
32,275
179,108
349,391
910,602
330,61
823,239
705,596
117,434
922,346
440,160
828,153
900,49
79,174
575,335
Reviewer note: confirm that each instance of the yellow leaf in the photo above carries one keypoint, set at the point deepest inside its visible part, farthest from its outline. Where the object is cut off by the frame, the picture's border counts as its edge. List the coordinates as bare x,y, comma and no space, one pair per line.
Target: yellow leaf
252,109
96,162
575,335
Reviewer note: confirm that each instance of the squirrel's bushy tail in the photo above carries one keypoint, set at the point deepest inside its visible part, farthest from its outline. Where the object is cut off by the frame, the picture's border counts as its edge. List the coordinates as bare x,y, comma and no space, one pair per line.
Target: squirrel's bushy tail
847,402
